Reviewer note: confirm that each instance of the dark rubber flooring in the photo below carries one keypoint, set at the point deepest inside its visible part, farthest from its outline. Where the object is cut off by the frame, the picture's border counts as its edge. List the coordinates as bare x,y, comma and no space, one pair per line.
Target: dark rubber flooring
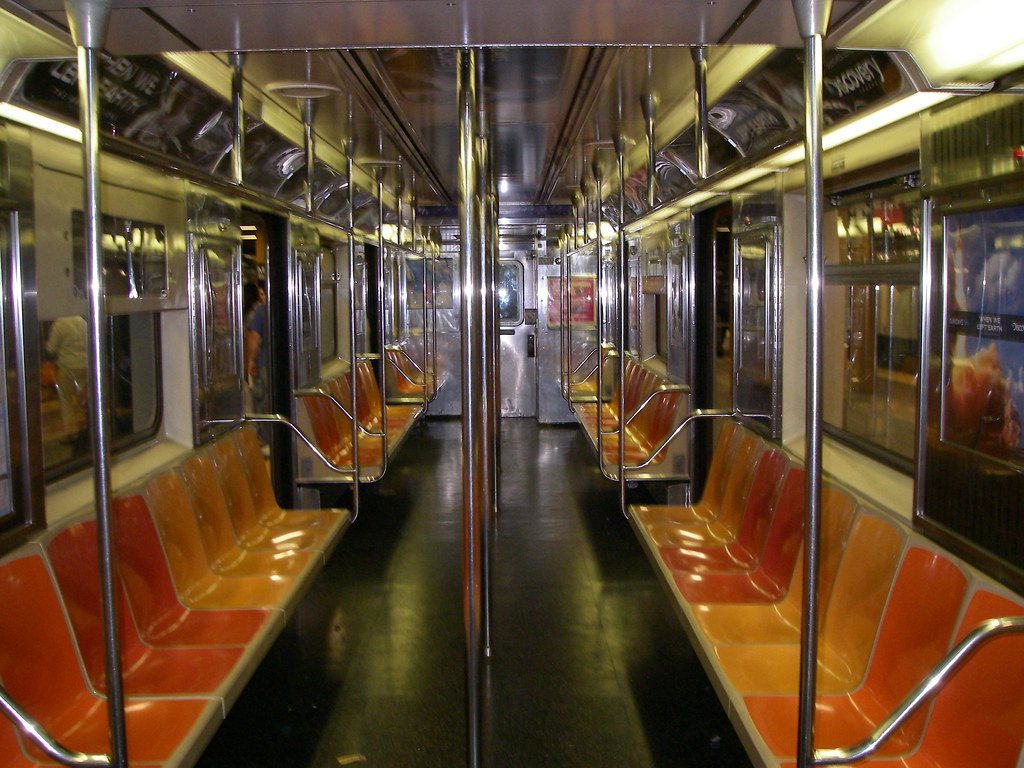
590,666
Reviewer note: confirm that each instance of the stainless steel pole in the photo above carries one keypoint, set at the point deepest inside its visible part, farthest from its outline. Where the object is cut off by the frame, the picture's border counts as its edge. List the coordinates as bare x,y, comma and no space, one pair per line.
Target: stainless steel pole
88,20
601,305
700,105
307,107
381,320
473,464
622,274
649,106
812,19
489,334
350,152
238,111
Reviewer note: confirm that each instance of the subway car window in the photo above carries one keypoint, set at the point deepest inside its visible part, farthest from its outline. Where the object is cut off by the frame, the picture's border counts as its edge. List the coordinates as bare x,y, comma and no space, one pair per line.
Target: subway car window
217,333
871,328
330,295
509,281
756,311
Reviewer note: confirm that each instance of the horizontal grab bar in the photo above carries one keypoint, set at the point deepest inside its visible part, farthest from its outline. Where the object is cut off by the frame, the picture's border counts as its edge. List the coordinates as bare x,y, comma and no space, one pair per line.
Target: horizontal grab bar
34,731
276,418
986,631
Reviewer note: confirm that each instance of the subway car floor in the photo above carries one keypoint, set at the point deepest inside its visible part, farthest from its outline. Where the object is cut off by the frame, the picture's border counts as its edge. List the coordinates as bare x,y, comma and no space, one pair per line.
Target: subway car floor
590,667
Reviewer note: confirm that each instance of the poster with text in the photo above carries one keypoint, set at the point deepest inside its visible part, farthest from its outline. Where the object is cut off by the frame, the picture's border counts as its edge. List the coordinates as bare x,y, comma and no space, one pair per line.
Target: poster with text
983,391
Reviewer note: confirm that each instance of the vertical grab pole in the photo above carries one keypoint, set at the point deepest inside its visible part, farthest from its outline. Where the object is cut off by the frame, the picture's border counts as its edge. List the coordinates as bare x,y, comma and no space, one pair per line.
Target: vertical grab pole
812,19
307,109
489,335
381,320
601,299
350,153
238,111
88,20
623,317
700,106
473,466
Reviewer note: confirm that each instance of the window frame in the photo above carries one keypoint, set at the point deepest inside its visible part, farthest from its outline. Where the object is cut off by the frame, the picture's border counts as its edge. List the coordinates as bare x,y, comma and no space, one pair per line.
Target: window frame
873,275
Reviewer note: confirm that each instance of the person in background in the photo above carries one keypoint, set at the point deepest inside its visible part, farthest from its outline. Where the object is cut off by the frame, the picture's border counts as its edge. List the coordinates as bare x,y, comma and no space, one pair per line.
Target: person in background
66,347
255,323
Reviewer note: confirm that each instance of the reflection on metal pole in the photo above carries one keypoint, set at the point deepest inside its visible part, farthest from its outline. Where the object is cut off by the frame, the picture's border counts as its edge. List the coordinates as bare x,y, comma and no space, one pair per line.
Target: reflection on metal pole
88,20
700,104
473,465
622,283
350,151
812,19
238,111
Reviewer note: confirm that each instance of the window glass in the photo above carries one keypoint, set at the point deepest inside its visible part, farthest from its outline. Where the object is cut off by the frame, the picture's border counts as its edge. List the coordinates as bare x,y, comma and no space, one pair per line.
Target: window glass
871,324
755,334
134,377
217,328
509,280
134,257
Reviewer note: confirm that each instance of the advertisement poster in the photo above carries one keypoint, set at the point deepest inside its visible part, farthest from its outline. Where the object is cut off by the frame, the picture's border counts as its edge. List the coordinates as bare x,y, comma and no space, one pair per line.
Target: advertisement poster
581,301
983,392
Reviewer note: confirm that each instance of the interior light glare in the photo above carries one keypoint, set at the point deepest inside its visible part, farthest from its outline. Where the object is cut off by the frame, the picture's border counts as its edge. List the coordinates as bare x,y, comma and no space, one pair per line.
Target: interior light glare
42,122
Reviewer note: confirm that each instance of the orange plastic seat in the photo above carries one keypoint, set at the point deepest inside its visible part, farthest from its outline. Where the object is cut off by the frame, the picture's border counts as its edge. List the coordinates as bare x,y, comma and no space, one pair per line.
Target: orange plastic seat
779,622
915,632
251,533
710,504
851,612
160,617
147,670
760,521
767,476
226,556
39,669
194,581
978,717
267,510
771,570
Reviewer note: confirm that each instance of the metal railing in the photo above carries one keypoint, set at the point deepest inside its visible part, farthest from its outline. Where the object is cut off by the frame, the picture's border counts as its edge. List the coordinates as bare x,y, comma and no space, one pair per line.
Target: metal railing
42,739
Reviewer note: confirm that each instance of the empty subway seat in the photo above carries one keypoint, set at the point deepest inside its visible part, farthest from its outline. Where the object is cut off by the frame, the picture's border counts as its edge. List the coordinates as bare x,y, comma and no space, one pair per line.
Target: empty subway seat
762,656
39,669
226,554
915,632
147,670
405,382
267,509
318,529
723,462
978,716
779,622
195,582
163,619
763,561
743,497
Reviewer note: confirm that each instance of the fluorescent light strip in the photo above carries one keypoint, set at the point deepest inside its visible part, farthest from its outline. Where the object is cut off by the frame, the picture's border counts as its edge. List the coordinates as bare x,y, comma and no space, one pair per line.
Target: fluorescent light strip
42,122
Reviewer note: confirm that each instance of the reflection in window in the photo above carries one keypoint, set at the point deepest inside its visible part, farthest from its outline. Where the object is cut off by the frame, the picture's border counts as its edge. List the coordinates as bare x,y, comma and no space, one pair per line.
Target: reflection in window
755,332
134,257
217,333
871,326
134,377
509,292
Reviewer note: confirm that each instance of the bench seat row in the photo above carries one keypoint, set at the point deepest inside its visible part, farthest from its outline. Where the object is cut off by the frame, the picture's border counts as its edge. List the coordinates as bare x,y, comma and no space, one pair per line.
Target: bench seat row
892,605
405,381
331,427
653,407
208,568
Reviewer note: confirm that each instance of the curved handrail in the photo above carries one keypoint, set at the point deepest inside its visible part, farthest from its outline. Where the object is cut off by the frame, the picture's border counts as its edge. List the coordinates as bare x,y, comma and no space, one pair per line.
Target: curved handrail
276,418
318,392
690,419
400,348
986,631
663,389
39,736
